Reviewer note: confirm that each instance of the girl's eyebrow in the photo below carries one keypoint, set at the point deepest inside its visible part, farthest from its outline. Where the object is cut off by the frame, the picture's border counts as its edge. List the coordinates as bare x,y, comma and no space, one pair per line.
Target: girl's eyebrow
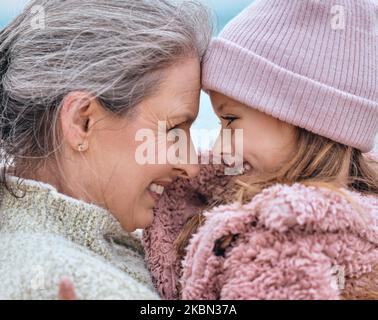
223,105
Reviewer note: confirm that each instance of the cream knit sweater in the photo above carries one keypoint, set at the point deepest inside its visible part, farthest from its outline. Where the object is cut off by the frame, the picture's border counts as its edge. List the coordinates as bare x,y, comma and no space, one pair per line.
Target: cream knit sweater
46,235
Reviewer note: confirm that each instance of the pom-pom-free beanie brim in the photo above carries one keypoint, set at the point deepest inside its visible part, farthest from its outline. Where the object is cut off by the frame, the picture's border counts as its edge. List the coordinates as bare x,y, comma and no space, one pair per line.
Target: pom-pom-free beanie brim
285,59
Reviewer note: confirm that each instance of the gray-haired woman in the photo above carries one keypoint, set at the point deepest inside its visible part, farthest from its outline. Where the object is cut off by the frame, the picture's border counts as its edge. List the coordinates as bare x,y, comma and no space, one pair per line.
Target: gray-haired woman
74,94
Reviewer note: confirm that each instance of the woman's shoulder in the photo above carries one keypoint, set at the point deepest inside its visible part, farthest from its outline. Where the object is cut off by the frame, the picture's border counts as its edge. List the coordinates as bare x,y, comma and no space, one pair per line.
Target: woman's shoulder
33,264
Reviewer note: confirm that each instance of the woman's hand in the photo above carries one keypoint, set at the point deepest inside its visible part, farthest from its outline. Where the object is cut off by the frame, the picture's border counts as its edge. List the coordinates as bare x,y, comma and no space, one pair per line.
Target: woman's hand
66,290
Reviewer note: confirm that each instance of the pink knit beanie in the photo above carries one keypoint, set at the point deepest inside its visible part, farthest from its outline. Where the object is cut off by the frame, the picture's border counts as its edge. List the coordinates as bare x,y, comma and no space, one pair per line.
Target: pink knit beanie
311,63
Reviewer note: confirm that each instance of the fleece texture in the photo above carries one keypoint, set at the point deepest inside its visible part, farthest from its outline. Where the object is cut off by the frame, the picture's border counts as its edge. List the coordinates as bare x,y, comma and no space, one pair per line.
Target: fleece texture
288,242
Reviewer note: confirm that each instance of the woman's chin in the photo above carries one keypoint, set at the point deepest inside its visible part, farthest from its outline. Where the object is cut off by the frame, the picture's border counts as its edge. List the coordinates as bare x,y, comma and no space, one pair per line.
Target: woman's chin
145,219
142,216
149,218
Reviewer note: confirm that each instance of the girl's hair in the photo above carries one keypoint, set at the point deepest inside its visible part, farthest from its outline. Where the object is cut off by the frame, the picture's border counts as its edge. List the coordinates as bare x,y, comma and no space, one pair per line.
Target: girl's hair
317,161
116,51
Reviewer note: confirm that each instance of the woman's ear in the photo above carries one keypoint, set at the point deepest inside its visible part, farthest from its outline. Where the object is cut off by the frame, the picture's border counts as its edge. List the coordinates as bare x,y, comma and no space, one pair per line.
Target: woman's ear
78,113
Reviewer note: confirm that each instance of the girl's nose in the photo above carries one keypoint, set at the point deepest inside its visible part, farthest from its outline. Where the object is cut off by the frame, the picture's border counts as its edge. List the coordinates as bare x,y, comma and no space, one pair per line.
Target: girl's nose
191,170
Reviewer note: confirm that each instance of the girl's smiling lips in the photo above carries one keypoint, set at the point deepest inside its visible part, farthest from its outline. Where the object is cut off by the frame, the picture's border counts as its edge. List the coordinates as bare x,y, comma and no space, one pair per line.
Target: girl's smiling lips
247,167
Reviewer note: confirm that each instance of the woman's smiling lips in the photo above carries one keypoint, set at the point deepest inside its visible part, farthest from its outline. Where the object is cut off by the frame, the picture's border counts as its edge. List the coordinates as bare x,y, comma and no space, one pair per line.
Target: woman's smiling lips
156,188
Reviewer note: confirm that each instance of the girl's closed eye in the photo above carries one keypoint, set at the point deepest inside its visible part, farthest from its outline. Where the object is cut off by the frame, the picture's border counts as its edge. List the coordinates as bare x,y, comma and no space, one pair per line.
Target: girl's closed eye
229,119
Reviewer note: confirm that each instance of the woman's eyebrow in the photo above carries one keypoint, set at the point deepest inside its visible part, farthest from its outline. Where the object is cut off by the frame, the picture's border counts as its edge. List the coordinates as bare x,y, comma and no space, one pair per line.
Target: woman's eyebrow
186,117
190,117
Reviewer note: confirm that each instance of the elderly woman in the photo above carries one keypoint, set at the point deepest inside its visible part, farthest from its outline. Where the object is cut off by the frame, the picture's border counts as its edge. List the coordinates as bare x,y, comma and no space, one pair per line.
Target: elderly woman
74,96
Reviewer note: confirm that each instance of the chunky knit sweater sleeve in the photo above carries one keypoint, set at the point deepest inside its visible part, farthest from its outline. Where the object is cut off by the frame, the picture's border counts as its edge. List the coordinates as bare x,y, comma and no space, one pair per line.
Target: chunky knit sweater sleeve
36,264
46,235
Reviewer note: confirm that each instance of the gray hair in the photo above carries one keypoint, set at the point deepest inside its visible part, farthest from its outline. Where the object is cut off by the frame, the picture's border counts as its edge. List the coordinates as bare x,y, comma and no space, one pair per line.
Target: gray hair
111,49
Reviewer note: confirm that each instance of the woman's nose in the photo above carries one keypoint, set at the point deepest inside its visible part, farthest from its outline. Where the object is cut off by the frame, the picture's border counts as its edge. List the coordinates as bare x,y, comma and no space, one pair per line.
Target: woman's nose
190,166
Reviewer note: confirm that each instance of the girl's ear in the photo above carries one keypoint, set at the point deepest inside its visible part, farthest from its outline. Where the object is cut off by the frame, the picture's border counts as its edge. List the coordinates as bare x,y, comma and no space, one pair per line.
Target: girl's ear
78,113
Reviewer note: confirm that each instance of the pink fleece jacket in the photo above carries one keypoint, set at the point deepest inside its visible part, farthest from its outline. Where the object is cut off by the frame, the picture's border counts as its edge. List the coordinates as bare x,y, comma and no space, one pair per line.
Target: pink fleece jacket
290,242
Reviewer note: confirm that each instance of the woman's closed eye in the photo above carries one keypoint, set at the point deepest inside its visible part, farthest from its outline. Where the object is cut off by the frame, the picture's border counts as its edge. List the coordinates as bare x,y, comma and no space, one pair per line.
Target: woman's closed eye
177,126
174,127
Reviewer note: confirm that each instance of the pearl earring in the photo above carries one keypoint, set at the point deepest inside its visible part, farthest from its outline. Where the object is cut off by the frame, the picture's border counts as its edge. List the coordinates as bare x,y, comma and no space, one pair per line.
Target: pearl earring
82,147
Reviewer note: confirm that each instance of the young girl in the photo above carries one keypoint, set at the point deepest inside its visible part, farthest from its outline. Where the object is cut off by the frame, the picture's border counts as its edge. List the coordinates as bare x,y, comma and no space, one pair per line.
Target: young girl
300,79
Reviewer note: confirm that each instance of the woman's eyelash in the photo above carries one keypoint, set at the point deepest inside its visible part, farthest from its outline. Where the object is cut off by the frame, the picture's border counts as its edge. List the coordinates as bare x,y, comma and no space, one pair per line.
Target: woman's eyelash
175,127
229,119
